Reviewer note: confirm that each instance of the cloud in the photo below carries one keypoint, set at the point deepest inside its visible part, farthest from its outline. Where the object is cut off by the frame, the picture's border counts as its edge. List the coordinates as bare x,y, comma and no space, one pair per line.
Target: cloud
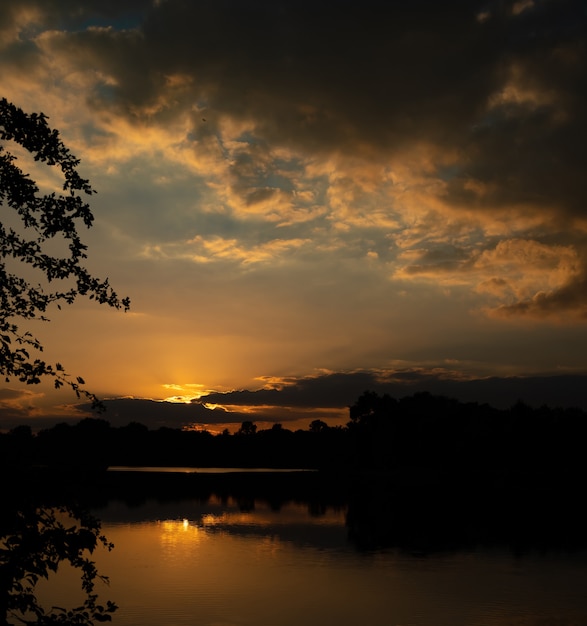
157,414
569,299
200,413
524,276
284,186
326,395
201,250
339,390
25,406
17,401
371,81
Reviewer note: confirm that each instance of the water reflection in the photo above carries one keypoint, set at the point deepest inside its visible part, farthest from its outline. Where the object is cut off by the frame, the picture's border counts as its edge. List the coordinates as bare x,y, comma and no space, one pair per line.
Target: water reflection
276,552
205,564
203,470
296,523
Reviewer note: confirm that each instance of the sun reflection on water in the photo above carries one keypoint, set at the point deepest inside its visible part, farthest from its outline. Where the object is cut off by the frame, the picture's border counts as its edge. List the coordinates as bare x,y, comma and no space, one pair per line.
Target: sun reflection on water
179,536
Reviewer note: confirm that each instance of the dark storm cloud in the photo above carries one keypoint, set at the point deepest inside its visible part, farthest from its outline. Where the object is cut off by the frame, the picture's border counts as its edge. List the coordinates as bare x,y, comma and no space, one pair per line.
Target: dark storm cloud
320,76
121,411
498,88
38,16
339,390
502,84
333,76
339,75
313,397
530,140
329,390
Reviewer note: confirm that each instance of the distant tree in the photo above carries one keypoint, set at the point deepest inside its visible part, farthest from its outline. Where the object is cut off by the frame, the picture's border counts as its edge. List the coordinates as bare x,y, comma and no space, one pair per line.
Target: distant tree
318,426
370,409
373,426
23,432
30,224
247,428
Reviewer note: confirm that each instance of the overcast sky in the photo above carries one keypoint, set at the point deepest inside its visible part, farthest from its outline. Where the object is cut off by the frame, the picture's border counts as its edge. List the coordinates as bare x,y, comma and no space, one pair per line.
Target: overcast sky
303,200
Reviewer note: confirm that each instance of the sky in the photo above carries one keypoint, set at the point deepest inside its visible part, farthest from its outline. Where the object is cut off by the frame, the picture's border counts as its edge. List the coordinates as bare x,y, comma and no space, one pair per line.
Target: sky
307,200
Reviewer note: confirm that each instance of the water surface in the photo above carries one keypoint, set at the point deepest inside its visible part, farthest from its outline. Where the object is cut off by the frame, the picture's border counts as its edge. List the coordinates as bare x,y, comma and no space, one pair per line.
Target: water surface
229,562
202,470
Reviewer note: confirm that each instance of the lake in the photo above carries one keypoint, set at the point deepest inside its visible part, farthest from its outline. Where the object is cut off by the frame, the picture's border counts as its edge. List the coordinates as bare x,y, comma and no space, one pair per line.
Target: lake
234,559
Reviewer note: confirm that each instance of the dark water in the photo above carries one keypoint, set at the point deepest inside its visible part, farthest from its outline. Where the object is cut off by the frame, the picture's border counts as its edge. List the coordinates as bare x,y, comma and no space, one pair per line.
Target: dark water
230,560
186,564
203,470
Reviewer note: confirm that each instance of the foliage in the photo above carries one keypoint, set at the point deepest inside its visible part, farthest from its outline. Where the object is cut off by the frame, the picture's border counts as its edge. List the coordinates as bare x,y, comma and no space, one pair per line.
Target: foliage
247,428
34,541
40,220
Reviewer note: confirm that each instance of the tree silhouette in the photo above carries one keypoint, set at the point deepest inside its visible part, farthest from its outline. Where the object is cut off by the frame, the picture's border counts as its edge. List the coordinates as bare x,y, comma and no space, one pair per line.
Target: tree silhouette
247,428
34,542
30,224
34,538
318,426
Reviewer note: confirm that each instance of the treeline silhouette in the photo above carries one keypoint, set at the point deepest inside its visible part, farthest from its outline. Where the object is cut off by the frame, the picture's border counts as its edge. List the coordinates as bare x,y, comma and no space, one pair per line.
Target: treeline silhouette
417,435
422,473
